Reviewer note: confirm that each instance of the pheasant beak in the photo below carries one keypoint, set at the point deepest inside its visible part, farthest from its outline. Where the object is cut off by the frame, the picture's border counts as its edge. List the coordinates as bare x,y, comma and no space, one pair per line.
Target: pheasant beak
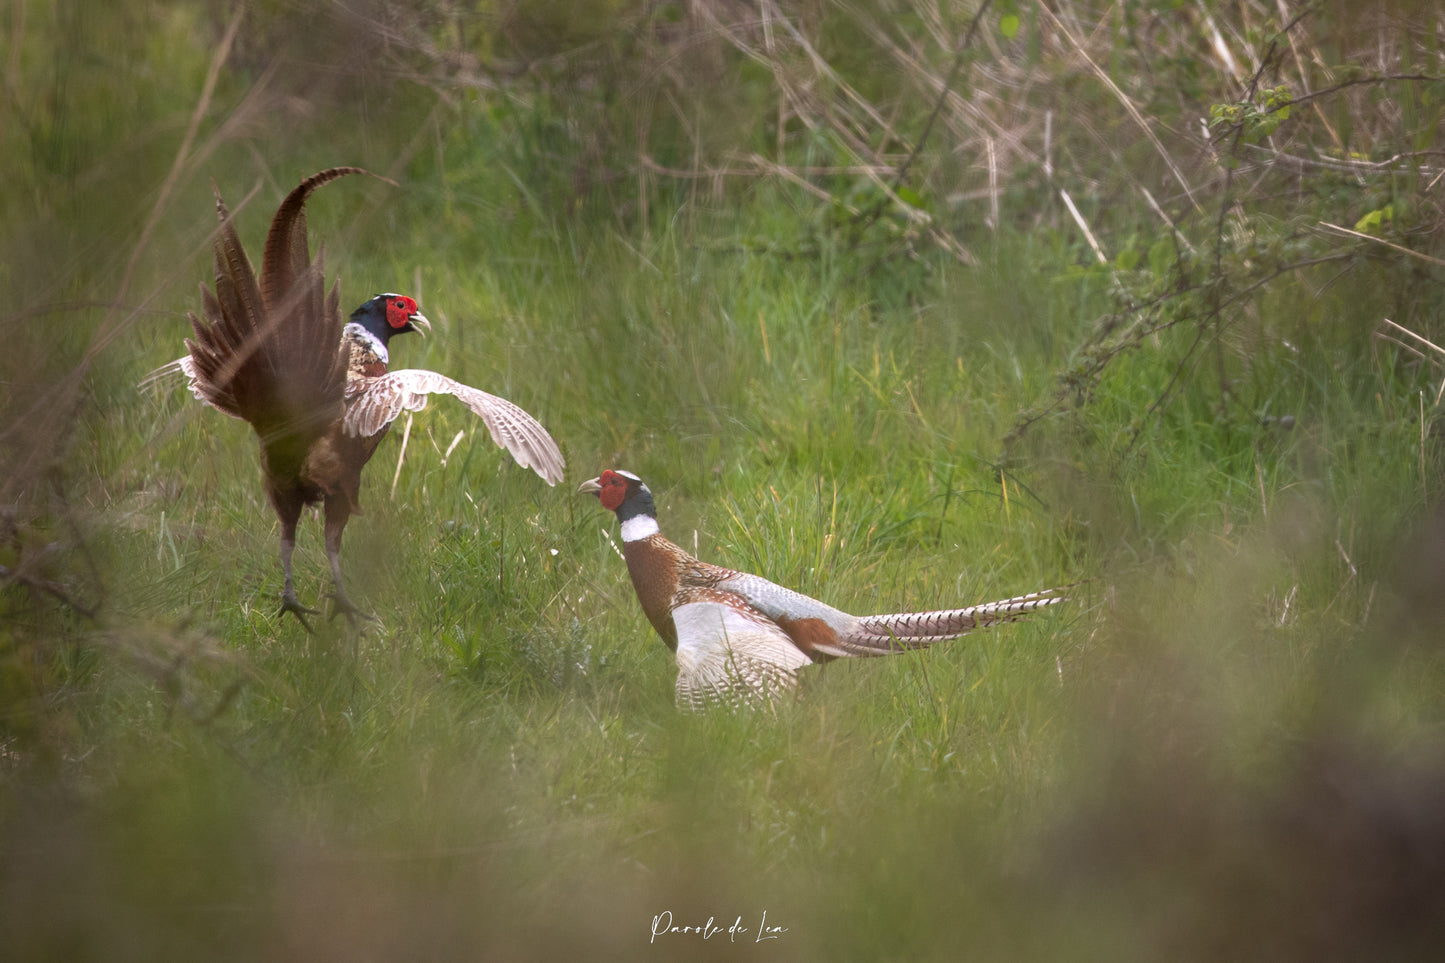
590,487
419,323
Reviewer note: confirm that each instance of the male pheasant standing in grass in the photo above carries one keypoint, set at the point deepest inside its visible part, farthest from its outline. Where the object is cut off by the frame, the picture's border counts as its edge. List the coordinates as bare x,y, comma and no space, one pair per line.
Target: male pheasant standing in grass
319,394
740,638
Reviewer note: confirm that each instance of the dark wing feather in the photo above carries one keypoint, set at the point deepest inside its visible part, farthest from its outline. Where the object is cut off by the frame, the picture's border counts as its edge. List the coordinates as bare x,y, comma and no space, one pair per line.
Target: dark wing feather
374,403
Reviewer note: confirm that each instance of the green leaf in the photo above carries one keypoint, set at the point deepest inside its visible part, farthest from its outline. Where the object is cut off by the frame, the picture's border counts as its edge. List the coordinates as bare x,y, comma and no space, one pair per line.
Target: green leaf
1008,25
1225,115
909,196
1372,222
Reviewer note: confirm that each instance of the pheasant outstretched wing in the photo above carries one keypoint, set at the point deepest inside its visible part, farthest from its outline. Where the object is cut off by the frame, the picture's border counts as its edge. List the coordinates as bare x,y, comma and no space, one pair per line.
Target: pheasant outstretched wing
373,403
729,656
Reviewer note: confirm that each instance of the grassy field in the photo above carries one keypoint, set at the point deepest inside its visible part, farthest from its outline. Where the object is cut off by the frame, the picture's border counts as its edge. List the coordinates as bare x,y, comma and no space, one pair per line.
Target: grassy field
1227,745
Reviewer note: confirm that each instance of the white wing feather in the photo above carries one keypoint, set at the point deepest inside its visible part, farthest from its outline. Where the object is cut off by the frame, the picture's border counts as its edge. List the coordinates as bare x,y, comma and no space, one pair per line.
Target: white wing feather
729,657
373,403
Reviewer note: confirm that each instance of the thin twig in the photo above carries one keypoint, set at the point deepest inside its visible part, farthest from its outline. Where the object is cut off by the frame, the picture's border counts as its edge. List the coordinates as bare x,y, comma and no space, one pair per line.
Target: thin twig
1425,341
1380,79
203,106
1154,205
947,86
1379,240
1128,105
1083,226
49,587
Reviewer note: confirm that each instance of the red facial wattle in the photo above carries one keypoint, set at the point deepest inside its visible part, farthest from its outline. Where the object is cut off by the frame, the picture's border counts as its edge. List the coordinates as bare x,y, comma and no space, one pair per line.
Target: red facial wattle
613,491
399,311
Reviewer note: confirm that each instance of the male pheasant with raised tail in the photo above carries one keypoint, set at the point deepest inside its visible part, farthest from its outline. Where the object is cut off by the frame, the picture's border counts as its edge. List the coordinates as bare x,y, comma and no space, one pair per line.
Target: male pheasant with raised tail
741,639
317,392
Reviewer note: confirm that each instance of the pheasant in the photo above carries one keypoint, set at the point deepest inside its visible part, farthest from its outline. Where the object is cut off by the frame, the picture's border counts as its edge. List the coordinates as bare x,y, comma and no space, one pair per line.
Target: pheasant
741,639
319,394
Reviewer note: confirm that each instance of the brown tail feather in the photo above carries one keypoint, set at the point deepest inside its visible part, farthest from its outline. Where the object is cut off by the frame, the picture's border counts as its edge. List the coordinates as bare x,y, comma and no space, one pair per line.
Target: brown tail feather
882,634
286,259
271,352
235,280
229,336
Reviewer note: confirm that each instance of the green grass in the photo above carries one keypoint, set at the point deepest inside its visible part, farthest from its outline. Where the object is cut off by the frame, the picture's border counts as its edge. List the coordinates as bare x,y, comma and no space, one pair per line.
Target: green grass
1235,715
497,766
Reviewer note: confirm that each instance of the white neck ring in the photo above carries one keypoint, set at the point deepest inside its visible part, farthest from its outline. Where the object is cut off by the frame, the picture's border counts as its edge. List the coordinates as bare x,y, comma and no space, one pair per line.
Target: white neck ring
639,527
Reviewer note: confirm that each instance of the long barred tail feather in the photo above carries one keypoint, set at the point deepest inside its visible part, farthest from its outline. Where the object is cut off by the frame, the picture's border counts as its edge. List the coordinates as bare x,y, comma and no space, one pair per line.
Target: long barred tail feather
882,634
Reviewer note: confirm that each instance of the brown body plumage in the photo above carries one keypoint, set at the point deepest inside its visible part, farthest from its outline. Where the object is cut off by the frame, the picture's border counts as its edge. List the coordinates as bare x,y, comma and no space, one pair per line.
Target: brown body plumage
741,638
318,392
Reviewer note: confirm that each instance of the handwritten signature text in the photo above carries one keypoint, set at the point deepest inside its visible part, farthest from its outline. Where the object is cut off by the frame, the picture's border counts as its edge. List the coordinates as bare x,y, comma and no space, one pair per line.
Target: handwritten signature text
664,925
